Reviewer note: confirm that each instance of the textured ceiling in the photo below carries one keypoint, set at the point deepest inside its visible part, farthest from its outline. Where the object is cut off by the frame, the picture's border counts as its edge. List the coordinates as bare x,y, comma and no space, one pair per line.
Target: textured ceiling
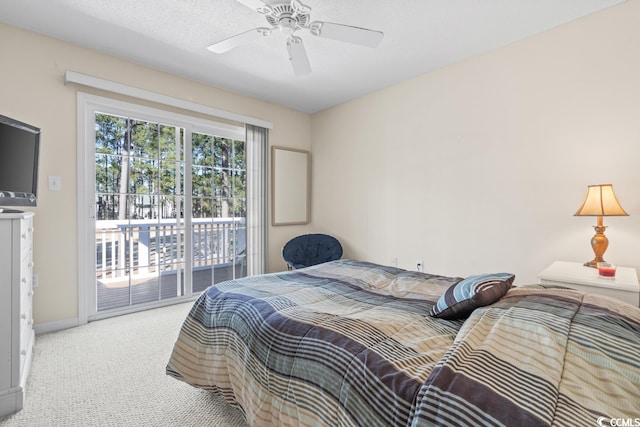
173,35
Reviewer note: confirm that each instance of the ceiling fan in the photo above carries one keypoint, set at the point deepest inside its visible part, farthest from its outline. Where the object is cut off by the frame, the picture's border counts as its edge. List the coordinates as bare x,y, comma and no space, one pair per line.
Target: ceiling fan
290,18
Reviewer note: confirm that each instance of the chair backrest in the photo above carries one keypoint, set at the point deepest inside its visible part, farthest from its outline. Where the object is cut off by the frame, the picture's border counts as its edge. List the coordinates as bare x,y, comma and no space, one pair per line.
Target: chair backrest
311,249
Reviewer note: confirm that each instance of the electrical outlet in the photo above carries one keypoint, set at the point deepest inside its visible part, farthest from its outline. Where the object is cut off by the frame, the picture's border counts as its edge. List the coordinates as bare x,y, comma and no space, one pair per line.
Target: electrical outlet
34,283
394,262
419,266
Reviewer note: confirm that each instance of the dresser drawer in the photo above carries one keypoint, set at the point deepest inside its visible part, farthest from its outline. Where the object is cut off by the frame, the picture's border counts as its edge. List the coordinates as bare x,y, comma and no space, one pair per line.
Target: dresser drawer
26,292
26,236
26,328
26,299
26,273
26,342
16,314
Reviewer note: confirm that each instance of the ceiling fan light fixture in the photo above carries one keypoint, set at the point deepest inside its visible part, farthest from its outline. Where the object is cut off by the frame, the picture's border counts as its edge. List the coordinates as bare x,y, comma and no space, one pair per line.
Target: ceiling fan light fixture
288,25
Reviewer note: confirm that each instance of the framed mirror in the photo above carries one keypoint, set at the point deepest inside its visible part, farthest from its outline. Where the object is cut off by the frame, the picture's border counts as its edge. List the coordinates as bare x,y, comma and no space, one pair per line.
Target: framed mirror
290,186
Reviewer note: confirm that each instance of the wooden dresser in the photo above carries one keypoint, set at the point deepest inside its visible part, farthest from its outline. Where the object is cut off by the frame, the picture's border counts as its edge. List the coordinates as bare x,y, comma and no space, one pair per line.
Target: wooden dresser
16,321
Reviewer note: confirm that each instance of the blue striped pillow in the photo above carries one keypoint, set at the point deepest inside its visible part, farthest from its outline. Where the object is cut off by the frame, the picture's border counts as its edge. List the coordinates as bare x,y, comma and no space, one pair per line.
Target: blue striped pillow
459,300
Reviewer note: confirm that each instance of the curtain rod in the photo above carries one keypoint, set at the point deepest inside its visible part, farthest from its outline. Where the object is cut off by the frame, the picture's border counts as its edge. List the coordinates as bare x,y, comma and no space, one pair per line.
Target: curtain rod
122,89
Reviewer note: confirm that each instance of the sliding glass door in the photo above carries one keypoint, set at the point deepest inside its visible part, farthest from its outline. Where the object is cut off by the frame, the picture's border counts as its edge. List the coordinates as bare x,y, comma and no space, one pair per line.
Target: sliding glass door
169,213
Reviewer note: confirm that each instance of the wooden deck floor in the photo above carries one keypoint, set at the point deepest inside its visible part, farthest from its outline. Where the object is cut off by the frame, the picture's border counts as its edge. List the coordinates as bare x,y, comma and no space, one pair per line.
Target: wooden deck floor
119,295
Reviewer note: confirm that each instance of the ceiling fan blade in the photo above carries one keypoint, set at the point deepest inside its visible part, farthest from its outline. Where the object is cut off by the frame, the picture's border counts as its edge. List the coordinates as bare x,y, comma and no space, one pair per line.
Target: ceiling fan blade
298,56
257,5
239,39
346,33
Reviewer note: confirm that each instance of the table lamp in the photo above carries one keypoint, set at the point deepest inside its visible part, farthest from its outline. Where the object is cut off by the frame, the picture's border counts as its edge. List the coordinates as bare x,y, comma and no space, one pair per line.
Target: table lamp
600,201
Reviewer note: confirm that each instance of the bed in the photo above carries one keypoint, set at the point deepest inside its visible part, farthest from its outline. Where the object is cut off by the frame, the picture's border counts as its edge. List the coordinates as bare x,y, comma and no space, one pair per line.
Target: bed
350,343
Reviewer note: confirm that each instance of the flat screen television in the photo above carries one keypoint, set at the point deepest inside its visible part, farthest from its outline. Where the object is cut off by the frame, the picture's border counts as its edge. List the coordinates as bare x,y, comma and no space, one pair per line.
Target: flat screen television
19,150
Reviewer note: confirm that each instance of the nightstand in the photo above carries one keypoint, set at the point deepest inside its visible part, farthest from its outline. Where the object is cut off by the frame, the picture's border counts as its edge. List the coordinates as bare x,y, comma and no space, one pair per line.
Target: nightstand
574,275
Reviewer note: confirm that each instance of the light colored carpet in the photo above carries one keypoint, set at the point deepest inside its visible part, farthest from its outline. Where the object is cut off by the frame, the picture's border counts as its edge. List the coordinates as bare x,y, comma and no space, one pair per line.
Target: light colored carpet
112,373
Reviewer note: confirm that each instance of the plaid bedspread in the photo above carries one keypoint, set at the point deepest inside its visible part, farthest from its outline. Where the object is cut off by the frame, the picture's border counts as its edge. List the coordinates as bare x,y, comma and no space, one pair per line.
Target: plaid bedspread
539,357
349,343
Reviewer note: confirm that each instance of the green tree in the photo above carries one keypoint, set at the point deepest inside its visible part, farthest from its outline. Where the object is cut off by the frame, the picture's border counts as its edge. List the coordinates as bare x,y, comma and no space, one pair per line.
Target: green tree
140,171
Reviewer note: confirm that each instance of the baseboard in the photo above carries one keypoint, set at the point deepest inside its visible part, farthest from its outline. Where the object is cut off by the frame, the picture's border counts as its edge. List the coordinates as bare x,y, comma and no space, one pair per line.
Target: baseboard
58,325
11,401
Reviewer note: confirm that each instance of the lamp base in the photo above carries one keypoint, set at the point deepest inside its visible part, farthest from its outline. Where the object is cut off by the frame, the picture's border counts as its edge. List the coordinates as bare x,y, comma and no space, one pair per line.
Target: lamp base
599,243
593,263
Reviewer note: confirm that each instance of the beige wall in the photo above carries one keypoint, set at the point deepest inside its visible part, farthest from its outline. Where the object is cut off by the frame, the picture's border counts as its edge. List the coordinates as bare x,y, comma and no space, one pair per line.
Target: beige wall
480,166
32,90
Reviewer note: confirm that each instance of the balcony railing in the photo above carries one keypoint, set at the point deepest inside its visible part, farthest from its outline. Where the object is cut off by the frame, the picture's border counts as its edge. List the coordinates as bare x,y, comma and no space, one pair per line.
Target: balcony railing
135,252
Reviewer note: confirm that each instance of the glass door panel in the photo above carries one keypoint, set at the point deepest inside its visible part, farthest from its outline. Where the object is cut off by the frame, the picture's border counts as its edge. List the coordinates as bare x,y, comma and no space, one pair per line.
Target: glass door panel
139,211
218,210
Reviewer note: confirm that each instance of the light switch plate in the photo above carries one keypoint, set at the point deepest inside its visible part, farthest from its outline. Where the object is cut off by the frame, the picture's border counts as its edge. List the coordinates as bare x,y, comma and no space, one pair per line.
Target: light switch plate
55,183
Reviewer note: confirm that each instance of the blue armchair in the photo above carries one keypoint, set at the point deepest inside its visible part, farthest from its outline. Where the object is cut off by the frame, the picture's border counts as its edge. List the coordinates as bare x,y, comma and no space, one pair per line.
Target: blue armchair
311,249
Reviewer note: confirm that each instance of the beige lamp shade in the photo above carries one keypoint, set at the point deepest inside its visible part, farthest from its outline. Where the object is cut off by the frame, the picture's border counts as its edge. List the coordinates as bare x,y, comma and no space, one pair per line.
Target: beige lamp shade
601,201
